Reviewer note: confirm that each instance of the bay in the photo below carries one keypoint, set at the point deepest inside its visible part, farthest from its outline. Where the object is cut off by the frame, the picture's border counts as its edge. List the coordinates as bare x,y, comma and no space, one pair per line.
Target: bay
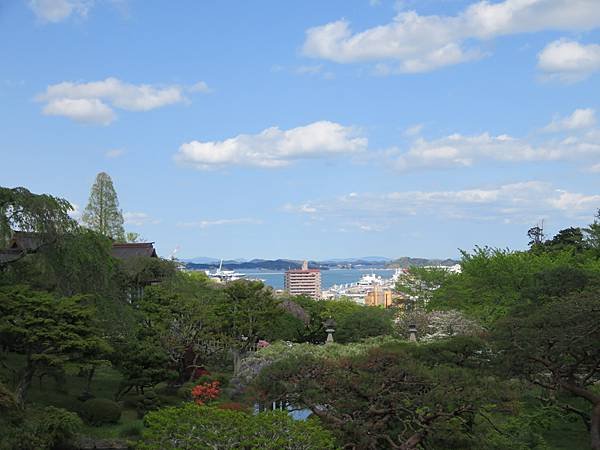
328,277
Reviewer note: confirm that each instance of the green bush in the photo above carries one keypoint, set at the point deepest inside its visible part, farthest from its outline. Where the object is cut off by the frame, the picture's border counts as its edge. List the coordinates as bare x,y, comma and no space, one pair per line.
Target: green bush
222,378
99,411
185,391
131,430
10,411
193,426
149,402
42,429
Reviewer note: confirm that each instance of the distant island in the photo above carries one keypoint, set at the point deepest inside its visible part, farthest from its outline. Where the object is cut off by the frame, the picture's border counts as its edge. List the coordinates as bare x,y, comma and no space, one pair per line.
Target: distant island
374,262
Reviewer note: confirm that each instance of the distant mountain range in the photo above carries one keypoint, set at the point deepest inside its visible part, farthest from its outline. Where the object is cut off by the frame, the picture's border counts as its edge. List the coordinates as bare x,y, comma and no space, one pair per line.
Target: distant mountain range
277,264
207,263
407,261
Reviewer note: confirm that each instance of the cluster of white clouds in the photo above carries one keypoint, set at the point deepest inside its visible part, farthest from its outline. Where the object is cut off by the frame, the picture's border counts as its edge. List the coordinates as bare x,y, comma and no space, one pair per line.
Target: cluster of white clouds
95,102
273,147
59,10
579,119
582,145
569,61
220,222
420,43
573,138
525,202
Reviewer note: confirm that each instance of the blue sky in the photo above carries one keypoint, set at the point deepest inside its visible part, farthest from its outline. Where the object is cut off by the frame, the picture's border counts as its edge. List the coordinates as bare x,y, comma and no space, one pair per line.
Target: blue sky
309,129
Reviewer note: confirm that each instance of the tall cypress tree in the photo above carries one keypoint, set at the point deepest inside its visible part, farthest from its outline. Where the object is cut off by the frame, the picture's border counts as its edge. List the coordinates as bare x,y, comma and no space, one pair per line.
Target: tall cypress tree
102,213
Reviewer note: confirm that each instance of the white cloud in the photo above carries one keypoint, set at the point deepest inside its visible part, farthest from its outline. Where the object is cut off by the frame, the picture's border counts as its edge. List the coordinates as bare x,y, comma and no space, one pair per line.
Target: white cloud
579,119
569,201
457,150
89,102
83,110
273,147
569,61
59,10
525,202
422,43
139,219
114,153
219,222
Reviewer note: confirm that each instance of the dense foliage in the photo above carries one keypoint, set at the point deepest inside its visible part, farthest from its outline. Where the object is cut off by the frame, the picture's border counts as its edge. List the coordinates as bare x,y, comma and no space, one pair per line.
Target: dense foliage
508,351
197,427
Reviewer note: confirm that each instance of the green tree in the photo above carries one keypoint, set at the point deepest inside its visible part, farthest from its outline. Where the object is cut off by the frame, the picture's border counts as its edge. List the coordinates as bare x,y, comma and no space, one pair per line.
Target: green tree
200,427
102,213
494,281
180,317
44,215
592,232
397,396
419,285
47,331
556,346
568,239
536,236
355,322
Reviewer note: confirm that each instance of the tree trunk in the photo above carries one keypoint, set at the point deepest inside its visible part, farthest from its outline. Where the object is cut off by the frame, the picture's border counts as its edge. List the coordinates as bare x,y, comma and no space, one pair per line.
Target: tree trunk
236,360
595,427
24,384
412,442
90,376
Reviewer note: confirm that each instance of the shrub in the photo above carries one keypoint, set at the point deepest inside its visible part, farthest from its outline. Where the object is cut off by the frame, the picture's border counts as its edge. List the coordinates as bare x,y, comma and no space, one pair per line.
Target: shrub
205,392
9,408
193,426
185,391
99,411
222,378
148,402
131,430
42,428
233,406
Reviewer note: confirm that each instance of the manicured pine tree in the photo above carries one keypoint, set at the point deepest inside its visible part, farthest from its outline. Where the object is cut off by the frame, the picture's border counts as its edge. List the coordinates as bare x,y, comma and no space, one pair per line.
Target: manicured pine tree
102,213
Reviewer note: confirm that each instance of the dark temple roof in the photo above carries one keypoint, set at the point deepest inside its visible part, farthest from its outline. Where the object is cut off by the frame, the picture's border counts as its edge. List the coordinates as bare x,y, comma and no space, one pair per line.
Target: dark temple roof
25,241
20,243
134,250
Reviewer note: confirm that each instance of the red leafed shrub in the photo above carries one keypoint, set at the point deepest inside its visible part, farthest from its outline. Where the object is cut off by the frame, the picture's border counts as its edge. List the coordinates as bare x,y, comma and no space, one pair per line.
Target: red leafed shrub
205,392
262,344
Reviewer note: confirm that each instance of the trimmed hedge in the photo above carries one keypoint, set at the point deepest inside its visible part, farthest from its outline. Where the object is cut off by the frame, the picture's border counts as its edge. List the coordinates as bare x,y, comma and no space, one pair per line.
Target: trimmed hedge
99,411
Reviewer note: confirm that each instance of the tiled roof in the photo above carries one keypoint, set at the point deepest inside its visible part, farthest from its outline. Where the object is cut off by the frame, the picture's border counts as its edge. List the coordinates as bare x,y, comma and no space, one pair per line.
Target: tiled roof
133,250
25,240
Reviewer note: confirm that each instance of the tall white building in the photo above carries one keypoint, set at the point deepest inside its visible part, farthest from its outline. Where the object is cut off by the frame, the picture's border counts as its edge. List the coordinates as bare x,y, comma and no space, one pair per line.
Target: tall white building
303,281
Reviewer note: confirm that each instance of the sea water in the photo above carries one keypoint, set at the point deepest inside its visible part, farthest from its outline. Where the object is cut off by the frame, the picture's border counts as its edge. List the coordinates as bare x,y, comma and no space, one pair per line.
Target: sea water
328,277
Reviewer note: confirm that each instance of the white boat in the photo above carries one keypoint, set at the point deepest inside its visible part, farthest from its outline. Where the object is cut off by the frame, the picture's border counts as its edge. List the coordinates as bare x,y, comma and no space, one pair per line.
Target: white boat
370,280
224,276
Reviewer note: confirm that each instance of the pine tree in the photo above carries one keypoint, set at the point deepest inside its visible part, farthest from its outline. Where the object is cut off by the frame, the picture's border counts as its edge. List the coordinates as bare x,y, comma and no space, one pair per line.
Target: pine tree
102,213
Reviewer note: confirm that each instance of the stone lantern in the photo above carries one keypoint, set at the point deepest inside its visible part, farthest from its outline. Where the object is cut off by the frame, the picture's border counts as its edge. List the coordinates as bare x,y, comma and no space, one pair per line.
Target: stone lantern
329,325
412,333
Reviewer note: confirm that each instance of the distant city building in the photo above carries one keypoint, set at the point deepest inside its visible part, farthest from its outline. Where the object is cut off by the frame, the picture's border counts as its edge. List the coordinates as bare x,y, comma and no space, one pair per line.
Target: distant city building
379,297
303,281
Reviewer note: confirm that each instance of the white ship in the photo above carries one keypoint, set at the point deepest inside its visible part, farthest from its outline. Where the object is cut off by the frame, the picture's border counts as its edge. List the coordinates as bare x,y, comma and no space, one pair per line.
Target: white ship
224,276
357,291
